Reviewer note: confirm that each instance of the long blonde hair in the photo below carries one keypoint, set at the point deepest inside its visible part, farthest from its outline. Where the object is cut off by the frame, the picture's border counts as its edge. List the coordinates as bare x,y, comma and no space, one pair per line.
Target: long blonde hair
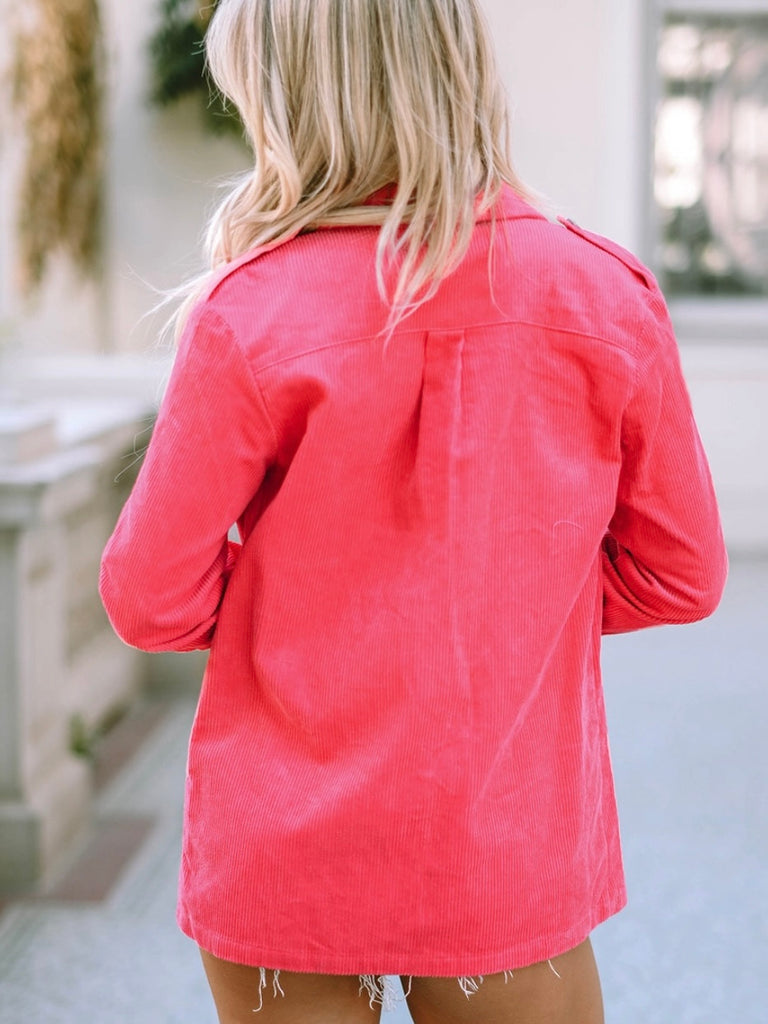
342,97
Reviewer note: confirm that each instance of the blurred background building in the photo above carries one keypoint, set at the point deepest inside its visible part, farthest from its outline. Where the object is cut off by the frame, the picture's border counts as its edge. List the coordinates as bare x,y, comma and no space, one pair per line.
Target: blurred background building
644,121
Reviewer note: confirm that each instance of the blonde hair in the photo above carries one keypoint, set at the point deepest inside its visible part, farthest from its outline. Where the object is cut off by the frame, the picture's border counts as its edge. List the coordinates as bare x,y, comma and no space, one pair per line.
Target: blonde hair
342,97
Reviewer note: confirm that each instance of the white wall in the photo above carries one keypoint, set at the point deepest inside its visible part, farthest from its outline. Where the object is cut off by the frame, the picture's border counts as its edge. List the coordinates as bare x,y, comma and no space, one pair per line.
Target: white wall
729,391
162,182
572,70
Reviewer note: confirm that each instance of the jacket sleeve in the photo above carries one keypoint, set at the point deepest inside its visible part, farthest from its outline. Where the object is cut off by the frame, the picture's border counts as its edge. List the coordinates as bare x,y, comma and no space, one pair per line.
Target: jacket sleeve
165,568
664,558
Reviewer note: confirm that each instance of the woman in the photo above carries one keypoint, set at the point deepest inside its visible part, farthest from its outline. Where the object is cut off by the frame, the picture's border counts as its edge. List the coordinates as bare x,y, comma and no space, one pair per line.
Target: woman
457,444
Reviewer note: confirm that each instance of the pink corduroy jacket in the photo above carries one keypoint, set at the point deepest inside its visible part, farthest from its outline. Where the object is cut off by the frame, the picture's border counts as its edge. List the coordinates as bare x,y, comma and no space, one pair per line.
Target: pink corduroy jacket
399,762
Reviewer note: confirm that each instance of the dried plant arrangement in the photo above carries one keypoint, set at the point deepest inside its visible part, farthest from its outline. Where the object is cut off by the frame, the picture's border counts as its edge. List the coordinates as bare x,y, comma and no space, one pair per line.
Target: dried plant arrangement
58,87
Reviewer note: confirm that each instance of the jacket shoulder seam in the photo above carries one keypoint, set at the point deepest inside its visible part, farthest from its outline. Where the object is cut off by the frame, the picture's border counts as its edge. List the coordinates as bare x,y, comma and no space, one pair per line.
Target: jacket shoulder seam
624,256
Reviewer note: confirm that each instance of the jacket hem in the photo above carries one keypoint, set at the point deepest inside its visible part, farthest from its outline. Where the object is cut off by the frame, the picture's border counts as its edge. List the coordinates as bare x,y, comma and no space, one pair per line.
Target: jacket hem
449,965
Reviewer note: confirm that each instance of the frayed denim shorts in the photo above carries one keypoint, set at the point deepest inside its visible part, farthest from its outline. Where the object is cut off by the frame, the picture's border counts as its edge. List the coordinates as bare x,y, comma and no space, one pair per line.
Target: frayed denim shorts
380,988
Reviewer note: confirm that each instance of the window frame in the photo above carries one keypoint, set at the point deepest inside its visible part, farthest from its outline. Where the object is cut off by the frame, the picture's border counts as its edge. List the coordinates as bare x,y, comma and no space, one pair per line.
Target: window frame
697,318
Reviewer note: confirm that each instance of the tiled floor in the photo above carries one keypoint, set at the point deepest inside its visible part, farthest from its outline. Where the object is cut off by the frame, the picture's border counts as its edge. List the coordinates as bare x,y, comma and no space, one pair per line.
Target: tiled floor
688,711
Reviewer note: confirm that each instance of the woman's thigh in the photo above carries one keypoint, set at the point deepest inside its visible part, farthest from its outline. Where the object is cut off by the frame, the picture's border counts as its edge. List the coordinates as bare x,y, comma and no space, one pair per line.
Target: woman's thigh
242,998
565,990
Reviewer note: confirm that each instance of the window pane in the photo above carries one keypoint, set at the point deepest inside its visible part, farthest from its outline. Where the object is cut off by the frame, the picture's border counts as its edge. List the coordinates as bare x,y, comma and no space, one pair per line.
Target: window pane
711,173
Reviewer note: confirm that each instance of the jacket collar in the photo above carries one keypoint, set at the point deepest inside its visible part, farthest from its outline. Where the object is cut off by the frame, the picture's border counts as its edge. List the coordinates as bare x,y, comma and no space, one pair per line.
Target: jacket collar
509,206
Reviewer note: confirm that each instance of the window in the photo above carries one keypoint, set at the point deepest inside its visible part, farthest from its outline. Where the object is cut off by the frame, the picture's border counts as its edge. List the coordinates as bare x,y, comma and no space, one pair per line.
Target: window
710,152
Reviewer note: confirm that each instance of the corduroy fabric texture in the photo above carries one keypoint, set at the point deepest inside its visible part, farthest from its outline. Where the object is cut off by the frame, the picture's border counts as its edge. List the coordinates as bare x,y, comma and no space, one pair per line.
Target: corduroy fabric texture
399,763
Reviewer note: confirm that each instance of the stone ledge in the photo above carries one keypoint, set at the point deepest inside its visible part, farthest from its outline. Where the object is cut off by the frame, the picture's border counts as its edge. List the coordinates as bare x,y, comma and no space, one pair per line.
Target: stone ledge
27,432
109,377
39,491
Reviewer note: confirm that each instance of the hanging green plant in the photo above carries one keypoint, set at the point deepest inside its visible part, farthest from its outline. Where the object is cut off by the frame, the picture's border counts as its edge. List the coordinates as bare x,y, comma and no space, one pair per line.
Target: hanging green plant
178,61
58,94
